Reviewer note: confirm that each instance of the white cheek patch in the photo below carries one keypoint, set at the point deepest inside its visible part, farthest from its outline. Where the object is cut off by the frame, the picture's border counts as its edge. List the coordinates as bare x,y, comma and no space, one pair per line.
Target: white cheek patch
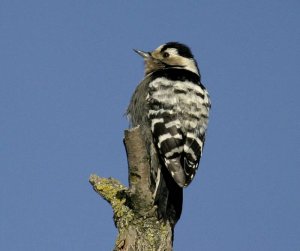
187,63
190,65
172,51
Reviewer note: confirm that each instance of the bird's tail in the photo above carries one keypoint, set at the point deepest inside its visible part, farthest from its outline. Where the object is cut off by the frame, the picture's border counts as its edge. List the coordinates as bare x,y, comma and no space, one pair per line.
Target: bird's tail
169,198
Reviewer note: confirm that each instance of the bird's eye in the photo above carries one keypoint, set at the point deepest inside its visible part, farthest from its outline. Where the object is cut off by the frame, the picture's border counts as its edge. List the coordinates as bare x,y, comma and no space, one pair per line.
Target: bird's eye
166,54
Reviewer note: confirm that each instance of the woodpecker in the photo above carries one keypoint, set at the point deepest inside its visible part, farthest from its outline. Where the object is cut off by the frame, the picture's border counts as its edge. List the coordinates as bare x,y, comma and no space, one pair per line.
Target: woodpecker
172,107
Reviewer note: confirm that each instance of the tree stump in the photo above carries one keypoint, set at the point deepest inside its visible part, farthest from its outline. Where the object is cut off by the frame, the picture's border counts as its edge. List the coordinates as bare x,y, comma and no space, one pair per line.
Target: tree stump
135,217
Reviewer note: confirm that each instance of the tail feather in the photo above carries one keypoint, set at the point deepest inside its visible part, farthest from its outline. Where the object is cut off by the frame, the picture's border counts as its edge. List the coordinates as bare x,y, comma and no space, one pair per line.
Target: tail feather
169,198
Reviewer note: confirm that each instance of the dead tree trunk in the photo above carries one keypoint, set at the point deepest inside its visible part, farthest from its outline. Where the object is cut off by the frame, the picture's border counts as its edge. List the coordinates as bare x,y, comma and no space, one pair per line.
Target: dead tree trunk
134,211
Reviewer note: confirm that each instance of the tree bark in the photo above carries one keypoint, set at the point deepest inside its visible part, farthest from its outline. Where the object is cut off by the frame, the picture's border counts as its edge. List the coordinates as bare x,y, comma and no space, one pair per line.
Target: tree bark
135,216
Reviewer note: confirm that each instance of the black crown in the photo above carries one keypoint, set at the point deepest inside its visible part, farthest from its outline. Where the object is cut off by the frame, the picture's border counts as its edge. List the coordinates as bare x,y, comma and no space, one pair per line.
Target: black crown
182,49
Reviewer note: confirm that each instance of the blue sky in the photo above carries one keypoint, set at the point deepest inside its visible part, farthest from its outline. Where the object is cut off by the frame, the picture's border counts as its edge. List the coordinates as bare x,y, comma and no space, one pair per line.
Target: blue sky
67,71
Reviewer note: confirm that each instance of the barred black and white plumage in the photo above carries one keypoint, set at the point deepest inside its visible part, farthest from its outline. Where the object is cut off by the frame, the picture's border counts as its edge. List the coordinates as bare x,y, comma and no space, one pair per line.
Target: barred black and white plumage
172,106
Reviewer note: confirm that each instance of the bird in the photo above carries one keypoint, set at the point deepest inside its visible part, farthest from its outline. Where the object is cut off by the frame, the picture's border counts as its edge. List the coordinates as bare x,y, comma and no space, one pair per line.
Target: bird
172,106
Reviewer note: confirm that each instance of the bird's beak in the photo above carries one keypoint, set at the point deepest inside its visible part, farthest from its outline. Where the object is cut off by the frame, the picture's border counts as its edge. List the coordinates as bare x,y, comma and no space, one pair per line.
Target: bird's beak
143,54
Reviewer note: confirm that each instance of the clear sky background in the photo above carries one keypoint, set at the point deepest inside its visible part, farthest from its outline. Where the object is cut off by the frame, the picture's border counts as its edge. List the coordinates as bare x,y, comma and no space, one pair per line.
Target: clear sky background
67,71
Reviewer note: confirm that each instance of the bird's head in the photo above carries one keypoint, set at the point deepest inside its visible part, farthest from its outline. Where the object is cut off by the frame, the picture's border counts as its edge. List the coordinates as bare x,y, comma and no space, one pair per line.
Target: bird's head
169,55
